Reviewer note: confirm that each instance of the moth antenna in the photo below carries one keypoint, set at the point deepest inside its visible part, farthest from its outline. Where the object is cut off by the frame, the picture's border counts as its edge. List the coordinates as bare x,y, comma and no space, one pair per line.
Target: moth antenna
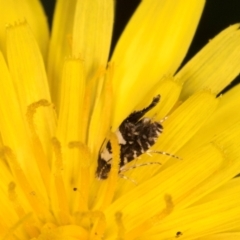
163,153
105,141
137,115
103,145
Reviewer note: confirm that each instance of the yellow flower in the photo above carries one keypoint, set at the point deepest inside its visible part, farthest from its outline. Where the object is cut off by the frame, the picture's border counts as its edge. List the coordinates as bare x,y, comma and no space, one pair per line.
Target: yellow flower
60,98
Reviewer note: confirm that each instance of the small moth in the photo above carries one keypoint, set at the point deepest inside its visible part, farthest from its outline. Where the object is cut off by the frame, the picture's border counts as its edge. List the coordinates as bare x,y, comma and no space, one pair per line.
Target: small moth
136,135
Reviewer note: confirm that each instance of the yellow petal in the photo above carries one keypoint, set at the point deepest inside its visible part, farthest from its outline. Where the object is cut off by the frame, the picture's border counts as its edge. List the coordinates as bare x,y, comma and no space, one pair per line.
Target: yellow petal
60,45
30,10
11,116
14,131
68,232
223,123
71,130
147,200
92,33
183,123
102,107
178,129
215,66
153,45
81,29
72,96
169,90
220,209
29,77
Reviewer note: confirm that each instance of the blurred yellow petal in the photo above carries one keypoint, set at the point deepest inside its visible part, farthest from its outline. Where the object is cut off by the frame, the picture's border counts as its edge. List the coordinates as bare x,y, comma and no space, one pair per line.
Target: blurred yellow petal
222,236
69,232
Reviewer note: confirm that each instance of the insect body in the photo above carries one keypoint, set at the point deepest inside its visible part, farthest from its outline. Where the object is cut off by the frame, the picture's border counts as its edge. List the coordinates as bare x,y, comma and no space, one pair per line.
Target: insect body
136,134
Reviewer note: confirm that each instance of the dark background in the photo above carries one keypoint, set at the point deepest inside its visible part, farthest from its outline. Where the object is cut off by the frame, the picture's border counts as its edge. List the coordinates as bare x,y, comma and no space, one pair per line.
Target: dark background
217,15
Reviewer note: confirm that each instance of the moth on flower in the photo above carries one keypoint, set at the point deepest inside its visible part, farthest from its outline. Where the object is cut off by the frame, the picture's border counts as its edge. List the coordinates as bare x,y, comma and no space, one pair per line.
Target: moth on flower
136,135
